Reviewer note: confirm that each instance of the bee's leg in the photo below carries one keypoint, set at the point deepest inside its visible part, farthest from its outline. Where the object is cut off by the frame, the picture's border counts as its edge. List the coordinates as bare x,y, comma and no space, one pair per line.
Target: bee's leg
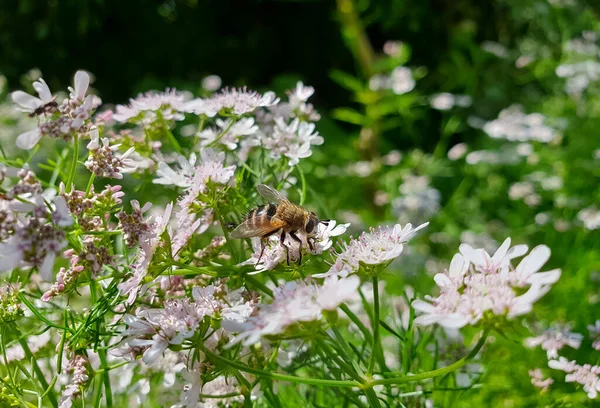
309,241
263,245
287,251
296,238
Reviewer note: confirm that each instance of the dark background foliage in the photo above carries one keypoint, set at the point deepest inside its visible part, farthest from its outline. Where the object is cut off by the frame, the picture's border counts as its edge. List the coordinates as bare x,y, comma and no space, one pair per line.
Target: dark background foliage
138,45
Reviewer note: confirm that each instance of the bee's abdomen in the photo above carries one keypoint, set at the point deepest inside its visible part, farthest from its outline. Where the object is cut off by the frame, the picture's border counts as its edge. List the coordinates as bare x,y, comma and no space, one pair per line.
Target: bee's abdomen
262,215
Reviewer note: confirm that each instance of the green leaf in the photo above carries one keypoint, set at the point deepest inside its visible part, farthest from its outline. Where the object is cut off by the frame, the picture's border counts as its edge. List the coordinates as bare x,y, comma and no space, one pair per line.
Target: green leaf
347,81
348,115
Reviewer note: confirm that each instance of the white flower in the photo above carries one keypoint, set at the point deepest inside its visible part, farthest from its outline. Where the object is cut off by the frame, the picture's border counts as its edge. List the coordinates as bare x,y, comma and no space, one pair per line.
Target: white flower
82,82
537,380
296,302
238,101
228,132
402,80
586,375
146,108
180,178
293,139
590,217
148,245
373,248
514,125
478,285
103,161
29,103
300,94
554,339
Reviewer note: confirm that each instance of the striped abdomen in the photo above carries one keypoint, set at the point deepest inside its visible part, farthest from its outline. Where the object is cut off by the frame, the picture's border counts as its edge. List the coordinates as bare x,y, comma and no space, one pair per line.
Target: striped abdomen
261,216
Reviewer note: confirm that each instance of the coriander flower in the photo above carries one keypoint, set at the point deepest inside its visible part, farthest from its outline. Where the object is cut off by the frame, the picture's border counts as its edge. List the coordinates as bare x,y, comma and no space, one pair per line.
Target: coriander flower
514,125
35,240
77,366
236,101
293,140
103,161
56,121
538,380
586,375
373,248
147,108
478,286
228,132
554,339
182,177
29,103
295,302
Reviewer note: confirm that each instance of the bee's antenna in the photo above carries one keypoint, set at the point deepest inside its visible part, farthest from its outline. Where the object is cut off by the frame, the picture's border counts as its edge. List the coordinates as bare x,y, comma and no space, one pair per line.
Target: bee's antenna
324,222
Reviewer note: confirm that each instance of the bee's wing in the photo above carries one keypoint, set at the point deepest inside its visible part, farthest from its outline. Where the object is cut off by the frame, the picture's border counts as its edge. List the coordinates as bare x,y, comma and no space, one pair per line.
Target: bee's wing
252,227
272,195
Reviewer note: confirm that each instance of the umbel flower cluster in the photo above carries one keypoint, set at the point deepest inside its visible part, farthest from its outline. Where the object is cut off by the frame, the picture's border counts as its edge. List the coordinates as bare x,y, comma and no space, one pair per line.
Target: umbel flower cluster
477,286
141,293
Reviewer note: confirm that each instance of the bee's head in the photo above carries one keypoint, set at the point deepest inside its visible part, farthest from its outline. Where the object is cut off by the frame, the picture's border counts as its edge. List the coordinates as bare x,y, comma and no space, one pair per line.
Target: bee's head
311,224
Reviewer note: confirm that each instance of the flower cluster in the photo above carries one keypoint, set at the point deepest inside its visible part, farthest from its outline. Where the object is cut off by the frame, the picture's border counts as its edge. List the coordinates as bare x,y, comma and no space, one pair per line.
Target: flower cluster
33,233
78,368
586,375
103,161
514,125
376,247
554,339
10,304
538,380
294,302
153,330
56,120
151,107
478,286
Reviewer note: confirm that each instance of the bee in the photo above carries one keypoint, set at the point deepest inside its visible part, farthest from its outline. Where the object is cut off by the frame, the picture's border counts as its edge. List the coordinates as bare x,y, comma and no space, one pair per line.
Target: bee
50,107
281,217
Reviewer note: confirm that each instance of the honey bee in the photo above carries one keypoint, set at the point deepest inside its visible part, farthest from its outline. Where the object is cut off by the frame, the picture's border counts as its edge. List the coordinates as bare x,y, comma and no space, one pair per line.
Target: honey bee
280,216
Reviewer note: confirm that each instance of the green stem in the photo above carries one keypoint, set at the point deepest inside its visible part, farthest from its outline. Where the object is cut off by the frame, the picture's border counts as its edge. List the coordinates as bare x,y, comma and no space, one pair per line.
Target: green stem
172,137
363,329
36,367
333,356
259,284
71,177
220,135
102,355
277,376
435,373
90,185
375,323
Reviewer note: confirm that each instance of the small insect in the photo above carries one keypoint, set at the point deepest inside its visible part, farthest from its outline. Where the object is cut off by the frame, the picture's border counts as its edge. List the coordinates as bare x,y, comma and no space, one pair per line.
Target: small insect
280,216
50,107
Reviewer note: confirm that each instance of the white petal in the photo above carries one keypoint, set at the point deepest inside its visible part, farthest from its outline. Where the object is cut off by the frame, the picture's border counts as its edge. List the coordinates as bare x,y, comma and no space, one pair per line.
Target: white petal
545,278
47,266
458,266
26,101
422,306
534,261
501,252
28,140
43,91
82,82
517,251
